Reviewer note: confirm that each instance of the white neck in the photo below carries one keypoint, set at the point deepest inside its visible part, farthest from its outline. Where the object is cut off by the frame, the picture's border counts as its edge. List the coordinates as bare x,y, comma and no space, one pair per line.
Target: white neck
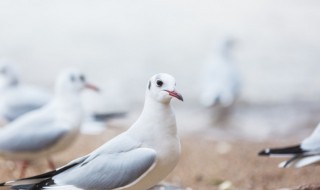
68,108
156,118
67,98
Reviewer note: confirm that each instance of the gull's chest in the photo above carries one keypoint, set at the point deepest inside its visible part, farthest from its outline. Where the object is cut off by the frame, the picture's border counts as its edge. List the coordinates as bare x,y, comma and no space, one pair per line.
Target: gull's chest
169,152
160,136
166,144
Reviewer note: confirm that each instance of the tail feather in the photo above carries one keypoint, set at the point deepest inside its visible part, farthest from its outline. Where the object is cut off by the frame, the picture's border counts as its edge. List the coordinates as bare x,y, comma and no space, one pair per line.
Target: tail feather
42,184
22,187
38,181
300,162
284,164
289,162
292,150
307,161
37,186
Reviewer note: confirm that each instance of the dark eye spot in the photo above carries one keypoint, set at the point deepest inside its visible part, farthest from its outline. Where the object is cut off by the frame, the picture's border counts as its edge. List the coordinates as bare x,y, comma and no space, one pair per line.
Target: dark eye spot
149,85
3,71
159,83
72,78
82,78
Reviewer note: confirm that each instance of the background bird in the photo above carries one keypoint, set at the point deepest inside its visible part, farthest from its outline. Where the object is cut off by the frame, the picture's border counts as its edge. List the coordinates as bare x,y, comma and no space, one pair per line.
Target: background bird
14,105
50,129
17,98
303,154
137,159
220,79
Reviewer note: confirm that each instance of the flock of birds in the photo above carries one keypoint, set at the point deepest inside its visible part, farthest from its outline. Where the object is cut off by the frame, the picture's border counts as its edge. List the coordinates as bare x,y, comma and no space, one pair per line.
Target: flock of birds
136,159
38,124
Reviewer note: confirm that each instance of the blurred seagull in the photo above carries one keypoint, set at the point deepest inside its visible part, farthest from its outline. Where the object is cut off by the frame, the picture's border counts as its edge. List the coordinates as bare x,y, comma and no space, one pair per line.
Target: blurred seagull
221,81
137,159
17,99
303,154
52,128
13,104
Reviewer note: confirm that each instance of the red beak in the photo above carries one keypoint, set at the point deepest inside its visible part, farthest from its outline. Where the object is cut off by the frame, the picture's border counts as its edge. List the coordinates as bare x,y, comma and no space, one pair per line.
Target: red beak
92,87
175,94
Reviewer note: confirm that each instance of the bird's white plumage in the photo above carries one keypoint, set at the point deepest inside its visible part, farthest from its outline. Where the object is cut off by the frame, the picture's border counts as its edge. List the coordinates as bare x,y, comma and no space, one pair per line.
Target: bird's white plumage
14,105
140,157
155,130
313,141
220,77
312,147
50,129
303,154
17,99
301,162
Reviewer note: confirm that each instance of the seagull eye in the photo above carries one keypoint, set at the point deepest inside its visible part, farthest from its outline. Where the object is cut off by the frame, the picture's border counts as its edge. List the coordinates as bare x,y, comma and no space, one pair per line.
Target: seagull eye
82,78
159,83
3,71
72,78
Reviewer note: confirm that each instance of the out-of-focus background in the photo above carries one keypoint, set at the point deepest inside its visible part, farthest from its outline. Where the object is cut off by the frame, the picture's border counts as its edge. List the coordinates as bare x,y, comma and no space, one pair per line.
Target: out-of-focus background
120,44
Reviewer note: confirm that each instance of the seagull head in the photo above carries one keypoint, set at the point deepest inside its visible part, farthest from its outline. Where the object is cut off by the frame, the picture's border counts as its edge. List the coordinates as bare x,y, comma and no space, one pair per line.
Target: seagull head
8,74
73,81
162,88
226,45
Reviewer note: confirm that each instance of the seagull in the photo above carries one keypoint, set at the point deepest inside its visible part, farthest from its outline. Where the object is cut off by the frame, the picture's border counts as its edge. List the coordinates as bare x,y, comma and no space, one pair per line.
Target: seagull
13,105
221,81
17,99
50,129
303,154
137,159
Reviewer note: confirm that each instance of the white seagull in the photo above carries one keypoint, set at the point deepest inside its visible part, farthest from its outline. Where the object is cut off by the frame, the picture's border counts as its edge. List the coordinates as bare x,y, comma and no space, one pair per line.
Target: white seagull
52,128
220,78
303,154
137,159
17,99
13,105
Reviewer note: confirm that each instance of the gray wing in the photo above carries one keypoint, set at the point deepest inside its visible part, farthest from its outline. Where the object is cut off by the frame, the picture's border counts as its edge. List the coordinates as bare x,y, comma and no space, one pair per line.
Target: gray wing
23,99
109,171
107,116
32,136
16,111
